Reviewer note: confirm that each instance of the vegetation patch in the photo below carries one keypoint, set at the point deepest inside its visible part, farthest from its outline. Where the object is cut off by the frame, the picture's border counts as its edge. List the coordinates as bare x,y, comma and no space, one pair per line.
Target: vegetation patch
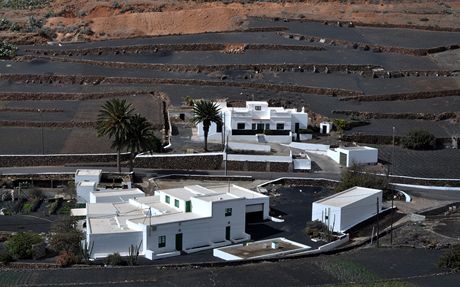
419,140
24,4
7,50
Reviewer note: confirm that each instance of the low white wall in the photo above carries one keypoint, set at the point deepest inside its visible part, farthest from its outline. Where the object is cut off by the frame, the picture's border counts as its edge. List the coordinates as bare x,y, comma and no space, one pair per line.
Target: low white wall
249,147
313,148
224,255
260,158
362,156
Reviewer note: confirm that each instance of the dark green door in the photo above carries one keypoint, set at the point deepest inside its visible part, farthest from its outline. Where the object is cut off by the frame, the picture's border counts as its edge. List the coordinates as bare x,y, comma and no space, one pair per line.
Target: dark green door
188,206
343,159
227,232
179,241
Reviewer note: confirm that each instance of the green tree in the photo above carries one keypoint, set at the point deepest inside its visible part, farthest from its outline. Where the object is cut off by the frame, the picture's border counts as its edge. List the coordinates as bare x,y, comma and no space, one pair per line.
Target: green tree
20,245
141,137
356,176
206,112
65,236
114,121
419,139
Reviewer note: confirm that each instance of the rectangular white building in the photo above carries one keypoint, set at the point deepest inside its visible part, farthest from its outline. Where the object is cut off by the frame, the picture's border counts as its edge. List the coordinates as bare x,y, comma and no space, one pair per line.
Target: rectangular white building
346,209
257,122
188,219
347,156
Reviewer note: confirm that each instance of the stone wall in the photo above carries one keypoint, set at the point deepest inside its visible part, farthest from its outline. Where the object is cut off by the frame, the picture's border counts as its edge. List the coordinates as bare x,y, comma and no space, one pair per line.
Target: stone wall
57,160
192,162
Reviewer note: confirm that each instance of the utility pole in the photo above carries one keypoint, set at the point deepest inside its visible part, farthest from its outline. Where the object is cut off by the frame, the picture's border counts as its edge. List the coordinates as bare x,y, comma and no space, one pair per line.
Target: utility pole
393,151
378,225
41,125
392,214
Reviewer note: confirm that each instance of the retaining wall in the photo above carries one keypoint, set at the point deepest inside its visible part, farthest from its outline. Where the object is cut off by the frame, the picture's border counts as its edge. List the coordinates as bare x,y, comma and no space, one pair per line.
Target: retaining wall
57,159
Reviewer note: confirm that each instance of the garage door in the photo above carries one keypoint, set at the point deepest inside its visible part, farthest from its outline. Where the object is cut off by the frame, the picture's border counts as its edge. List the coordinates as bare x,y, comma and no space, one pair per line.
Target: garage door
254,213
254,207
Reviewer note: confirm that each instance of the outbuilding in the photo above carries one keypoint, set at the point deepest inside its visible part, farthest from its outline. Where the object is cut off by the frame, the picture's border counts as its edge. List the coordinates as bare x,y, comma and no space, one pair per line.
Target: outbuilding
347,156
348,208
325,127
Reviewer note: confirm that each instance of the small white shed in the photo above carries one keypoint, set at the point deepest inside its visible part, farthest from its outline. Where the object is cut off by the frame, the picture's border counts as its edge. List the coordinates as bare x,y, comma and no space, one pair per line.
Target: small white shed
88,175
348,208
325,127
347,156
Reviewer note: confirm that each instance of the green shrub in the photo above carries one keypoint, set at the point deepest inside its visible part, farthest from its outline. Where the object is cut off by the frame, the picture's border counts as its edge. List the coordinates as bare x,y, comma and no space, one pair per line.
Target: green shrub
7,50
355,176
419,140
4,24
115,260
26,208
306,131
5,257
65,236
24,4
451,259
20,245
54,206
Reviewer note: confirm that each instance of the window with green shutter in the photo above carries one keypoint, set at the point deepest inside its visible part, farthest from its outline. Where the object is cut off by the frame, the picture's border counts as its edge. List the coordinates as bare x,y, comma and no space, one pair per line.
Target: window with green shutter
176,203
167,199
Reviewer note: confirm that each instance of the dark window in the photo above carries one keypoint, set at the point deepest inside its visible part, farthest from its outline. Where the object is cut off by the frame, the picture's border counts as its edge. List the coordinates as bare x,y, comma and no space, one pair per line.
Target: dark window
228,212
258,108
260,127
167,199
161,241
219,128
267,126
280,126
254,126
176,203
240,126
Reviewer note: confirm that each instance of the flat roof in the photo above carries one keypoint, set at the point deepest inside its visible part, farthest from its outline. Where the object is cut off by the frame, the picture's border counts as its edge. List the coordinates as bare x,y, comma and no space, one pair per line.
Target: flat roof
92,172
263,248
115,192
168,218
238,191
356,148
348,196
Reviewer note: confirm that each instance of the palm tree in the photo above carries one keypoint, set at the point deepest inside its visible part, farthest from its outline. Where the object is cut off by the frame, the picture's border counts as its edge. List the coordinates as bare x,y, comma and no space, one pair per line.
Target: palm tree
141,138
114,121
206,112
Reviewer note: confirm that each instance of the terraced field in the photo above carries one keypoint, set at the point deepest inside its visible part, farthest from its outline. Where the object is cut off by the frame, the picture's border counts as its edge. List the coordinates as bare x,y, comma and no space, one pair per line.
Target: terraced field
326,67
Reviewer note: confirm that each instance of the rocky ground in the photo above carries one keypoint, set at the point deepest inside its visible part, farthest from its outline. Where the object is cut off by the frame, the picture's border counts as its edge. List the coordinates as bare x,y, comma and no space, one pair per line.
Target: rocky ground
66,20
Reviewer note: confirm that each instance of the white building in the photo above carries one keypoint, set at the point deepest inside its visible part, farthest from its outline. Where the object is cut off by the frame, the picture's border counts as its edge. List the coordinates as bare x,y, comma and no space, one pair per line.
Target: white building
257,122
88,190
347,156
325,127
188,219
348,208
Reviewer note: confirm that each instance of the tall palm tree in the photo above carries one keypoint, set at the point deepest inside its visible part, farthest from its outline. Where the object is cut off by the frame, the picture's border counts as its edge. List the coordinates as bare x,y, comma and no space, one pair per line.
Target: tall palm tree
141,137
114,121
206,112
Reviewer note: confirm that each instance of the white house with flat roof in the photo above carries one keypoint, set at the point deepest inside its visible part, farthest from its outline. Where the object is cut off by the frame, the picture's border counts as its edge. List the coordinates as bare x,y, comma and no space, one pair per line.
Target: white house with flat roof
347,156
348,208
88,190
188,219
256,122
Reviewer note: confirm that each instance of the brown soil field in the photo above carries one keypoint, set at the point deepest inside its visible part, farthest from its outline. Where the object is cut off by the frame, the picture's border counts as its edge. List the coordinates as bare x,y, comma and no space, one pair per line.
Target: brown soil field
94,20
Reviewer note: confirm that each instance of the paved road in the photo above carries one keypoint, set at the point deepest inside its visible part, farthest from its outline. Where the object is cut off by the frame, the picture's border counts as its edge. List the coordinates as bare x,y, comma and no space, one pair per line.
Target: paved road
152,172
